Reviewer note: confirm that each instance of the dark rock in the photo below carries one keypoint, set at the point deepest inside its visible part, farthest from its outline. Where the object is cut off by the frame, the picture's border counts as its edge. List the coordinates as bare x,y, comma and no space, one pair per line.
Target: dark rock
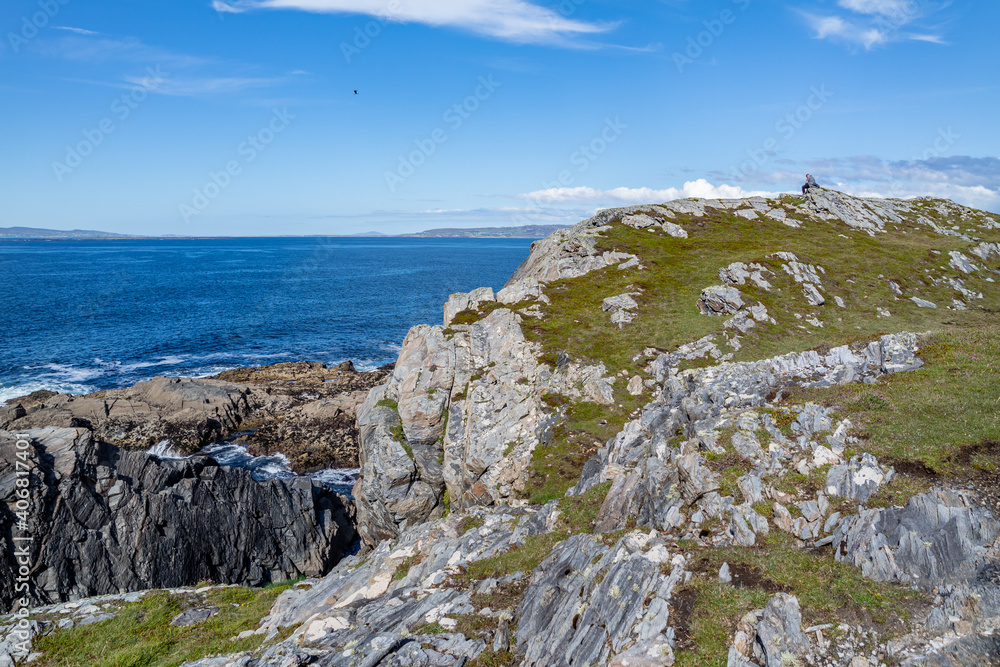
106,520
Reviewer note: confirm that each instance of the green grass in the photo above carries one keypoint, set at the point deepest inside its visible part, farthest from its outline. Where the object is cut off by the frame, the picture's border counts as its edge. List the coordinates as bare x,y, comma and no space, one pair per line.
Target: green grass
141,635
490,658
523,558
404,568
678,269
577,516
931,415
469,523
828,592
556,465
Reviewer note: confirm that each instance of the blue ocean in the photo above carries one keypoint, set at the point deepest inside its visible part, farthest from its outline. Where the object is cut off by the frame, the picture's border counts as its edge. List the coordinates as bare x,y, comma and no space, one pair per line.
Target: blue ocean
79,316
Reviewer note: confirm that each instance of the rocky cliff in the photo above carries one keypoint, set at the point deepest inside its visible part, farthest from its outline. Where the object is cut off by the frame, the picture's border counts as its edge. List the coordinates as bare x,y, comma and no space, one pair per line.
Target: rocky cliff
705,432
88,519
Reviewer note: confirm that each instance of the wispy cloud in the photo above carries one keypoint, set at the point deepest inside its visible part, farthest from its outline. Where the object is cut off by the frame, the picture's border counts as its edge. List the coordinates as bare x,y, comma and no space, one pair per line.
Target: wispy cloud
78,31
700,188
509,20
184,75
874,23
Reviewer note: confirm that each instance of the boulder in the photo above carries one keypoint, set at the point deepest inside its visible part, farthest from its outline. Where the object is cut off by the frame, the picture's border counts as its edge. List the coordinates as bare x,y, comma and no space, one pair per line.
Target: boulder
720,300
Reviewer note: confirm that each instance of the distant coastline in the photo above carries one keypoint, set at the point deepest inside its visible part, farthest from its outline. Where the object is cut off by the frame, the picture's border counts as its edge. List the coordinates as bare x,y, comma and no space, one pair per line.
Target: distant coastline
522,232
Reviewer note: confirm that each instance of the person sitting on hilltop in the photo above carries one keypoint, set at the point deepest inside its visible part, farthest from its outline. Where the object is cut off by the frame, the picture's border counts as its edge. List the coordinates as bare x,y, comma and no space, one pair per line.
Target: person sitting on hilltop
810,183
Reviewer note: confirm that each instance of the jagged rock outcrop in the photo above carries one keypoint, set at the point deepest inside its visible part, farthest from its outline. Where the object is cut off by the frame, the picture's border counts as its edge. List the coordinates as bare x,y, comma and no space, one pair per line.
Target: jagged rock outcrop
103,520
461,413
586,603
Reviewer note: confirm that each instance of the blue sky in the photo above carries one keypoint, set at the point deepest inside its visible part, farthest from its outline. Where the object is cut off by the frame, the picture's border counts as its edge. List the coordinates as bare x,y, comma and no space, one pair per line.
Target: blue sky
233,117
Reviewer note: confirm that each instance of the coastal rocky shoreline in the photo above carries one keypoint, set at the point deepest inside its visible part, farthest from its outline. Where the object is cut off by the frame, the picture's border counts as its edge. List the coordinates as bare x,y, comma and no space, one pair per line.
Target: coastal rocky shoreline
303,410
653,446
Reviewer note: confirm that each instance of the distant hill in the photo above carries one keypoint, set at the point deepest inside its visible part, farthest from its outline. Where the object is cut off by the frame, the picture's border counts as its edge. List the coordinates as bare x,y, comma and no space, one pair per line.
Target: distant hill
524,232
33,233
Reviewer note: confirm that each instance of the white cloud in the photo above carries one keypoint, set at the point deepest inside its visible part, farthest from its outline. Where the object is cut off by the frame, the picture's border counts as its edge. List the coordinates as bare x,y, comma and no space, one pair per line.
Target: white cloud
193,86
873,23
700,188
967,180
511,20
882,7
836,28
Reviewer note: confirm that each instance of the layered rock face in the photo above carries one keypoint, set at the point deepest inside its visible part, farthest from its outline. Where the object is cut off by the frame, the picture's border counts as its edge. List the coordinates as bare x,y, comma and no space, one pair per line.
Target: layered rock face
104,520
461,414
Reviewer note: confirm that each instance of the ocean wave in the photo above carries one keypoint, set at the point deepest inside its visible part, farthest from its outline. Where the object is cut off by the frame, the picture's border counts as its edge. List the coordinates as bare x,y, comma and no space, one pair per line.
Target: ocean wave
73,374
172,360
164,450
9,390
276,466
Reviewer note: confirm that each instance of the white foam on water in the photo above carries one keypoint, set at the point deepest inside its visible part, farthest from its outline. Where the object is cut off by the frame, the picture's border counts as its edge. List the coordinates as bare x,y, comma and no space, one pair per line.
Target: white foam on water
341,479
9,390
276,466
73,374
164,451
163,361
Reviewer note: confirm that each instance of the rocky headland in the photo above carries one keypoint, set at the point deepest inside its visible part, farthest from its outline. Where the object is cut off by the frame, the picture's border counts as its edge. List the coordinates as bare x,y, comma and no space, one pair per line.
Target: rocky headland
303,410
704,432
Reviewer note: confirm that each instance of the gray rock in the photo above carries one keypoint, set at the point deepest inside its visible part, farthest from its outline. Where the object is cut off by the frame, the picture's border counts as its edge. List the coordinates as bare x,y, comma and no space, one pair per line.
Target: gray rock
566,618
779,632
620,302
938,538
961,263
527,289
813,295
922,303
640,221
94,618
471,301
738,273
724,575
985,250
194,616
189,413
674,230
858,479
720,300
469,414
